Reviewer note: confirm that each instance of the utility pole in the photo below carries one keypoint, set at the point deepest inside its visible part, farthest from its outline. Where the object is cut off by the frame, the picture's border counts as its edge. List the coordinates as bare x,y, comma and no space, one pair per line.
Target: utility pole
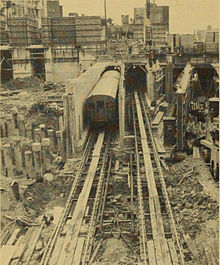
105,22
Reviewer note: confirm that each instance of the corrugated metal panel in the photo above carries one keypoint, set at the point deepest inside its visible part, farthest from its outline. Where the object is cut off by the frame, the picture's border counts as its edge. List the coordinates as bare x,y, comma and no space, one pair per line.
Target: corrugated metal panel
107,85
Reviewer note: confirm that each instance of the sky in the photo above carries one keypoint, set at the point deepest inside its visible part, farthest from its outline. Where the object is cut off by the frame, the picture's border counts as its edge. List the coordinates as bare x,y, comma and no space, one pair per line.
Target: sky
185,15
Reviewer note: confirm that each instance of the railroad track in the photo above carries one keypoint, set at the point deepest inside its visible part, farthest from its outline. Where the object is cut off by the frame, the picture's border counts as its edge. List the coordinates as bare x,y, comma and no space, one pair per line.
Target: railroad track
72,239
113,198
159,243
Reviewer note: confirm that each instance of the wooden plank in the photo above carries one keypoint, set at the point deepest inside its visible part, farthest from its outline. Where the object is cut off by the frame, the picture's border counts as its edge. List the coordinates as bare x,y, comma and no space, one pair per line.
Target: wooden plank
150,176
97,149
63,251
6,253
78,253
13,237
173,252
153,218
70,241
151,252
22,246
165,252
159,217
17,246
159,255
32,243
56,252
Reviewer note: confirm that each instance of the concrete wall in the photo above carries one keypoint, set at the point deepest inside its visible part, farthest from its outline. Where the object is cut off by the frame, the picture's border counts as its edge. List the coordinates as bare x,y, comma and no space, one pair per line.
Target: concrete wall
61,71
21,63
77,91
61,64
86,61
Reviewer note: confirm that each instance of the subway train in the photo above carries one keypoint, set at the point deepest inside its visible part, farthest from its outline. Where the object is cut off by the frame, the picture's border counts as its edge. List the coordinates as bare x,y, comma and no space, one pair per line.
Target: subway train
100,107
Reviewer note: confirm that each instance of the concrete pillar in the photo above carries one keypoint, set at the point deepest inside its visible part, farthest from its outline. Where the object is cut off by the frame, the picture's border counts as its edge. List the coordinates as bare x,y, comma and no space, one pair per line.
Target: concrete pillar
21,125
151,85
10,124
51,136
180,122
18,158
43,131
169,81
36,148
2,125
37,135
14,112
66,139
72,121
169,130
28,164
8,160
46,154
15,188
71,118
28,130
59,142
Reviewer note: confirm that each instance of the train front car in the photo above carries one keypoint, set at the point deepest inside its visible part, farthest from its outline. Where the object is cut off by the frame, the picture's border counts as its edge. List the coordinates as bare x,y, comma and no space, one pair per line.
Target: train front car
100,108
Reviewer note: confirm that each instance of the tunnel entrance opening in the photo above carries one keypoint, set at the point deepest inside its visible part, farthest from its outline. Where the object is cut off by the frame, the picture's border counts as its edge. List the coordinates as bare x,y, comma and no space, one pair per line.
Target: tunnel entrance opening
6,66
38,63
135,78
206,75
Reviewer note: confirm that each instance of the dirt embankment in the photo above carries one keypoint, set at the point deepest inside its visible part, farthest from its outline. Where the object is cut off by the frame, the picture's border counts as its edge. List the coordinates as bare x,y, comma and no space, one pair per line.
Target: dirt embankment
194,199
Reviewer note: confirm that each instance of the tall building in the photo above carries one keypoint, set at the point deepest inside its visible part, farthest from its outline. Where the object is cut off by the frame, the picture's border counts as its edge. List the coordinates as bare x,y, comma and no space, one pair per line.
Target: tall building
54,9
125,19
151,22
21,8
139,15
159,22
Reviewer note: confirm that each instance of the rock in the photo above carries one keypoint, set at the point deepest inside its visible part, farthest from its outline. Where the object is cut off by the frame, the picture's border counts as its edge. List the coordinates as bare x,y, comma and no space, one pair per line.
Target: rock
48,176
39,246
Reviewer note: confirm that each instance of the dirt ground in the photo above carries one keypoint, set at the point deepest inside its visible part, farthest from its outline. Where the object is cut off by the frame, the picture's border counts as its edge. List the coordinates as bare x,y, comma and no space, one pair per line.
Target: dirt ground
34,99
36,198
194,200
114,252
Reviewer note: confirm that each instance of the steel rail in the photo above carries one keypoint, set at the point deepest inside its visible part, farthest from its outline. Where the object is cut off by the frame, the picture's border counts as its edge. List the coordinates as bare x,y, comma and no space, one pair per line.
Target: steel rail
140,197
94,215
157,159
105,192
52,240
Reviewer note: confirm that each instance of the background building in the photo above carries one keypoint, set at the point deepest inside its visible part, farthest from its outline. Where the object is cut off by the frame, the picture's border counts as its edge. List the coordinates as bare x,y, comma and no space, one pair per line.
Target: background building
54,9
151,23
159,23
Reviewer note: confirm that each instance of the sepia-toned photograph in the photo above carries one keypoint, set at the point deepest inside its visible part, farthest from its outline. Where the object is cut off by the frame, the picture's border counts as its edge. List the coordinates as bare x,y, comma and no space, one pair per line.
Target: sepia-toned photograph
109,132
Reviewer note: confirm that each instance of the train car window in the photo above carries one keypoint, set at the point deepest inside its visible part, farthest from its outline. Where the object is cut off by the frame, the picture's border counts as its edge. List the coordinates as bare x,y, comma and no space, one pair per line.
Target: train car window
100,104
91,105
109,105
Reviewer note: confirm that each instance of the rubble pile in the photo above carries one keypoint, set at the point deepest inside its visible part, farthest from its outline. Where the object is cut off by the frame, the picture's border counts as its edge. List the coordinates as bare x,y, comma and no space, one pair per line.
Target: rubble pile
51,85
194,204
114,252
35,197
30,116
22,83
